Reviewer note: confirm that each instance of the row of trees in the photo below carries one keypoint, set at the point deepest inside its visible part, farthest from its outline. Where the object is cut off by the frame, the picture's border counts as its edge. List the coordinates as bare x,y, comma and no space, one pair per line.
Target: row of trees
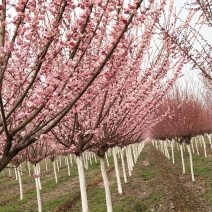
89,74
188,117
80,76
81,72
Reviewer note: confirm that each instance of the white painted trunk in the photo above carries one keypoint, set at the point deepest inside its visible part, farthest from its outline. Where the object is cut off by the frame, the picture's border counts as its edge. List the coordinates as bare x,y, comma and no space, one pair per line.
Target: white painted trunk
117,171
46,164
67,162
9,172
200,140
75,158
38,173
20,168
137,151
204,146
71,159
128,162
192,145
90,158
107,159
107,186
156,144
16,175
172,148
37,188
133,152
183,147
182,158
29,169
178,146
130,158
166,149
20,182
196,144
38,167
86,161
82,184
55,172
210,140
109,152
191,162
162,147
123,166
60,160
58,168
117,151
95,158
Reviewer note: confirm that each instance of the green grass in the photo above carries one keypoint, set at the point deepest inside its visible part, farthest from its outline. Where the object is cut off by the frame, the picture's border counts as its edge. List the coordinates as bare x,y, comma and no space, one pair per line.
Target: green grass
154,198
96,200
96,195
148,173
143,155
139,206
50,205
29,191
202,165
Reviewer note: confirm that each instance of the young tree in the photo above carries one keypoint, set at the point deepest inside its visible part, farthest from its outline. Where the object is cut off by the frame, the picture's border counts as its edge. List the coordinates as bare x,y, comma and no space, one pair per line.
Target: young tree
50,50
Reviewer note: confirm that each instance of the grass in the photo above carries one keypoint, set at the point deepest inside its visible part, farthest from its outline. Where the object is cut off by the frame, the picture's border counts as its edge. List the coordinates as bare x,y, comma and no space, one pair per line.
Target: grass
202,165
48,185
139,206
50,205
148,172
96,195
29,202
154,198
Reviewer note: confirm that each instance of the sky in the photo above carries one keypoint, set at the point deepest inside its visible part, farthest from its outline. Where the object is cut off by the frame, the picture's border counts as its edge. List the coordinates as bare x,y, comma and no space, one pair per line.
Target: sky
206,31
190,76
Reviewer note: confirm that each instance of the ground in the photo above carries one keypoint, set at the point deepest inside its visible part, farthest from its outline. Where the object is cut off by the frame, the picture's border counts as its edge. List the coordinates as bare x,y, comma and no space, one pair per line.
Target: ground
156,185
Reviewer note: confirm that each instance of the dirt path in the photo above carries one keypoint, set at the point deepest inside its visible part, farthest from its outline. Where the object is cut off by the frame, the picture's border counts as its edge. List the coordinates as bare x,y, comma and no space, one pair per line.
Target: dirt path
70,203
156,185
181,197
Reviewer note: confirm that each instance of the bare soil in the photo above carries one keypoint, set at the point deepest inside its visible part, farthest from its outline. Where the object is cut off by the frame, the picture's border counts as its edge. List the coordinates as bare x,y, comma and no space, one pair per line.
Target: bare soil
168,191
182,195
156,185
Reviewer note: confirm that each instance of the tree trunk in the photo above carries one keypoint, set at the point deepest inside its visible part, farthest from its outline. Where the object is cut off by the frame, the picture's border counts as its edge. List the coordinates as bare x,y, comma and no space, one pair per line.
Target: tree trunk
123,166
196,144
117,171
82,184
46,165
68,166
107,186
36,174
20,183
55,172
107,159
182,158
204,146
172,147
16,175
191,162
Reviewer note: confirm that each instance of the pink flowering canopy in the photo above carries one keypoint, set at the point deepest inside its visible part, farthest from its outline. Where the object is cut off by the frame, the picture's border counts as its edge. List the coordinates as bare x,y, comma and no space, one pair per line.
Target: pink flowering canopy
189,117
85,74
